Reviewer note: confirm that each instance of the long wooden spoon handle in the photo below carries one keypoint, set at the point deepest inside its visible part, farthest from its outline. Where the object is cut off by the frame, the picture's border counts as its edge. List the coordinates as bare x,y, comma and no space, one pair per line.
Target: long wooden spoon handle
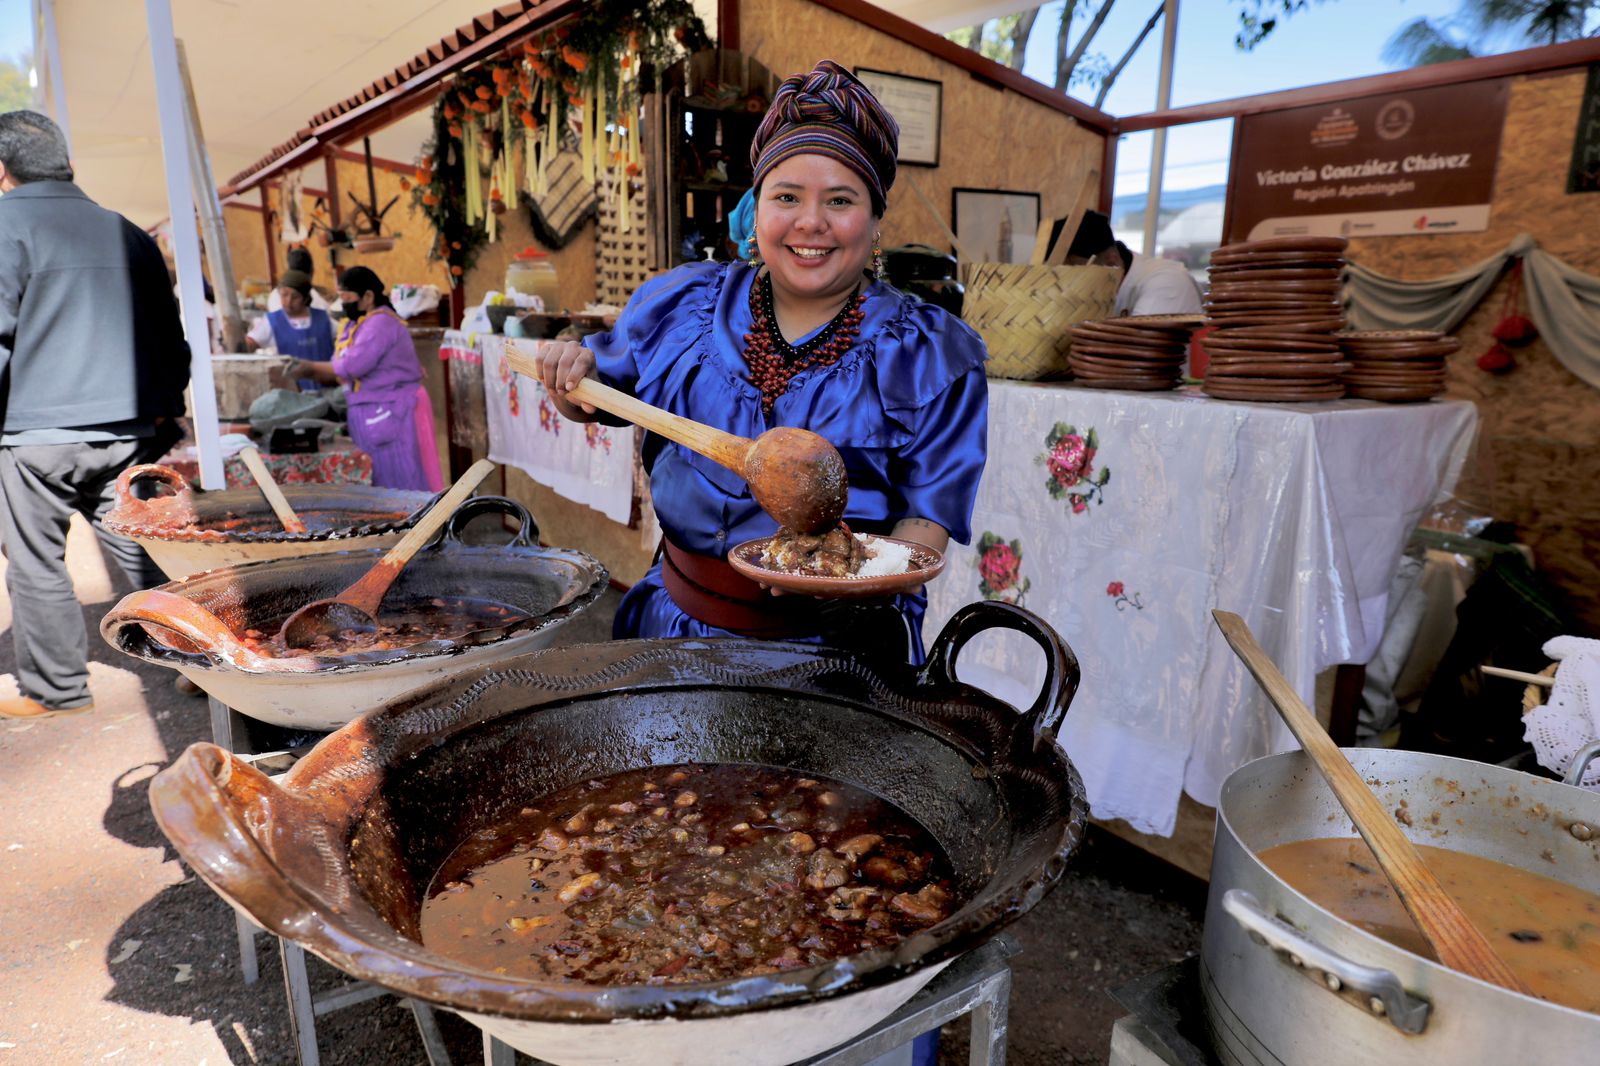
368,592
714,444
1459,944
269,489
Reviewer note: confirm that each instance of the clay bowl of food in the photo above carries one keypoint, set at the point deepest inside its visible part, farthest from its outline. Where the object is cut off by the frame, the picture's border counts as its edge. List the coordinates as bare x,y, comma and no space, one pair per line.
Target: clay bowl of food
839,564
455,607
675,852
186,531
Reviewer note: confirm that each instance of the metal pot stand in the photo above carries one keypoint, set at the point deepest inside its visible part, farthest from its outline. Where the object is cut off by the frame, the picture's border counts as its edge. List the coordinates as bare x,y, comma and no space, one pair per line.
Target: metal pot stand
230,730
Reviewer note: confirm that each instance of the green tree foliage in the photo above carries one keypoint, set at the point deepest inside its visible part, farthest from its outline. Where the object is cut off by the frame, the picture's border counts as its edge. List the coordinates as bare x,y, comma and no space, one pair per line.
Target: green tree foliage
15,92
1481,27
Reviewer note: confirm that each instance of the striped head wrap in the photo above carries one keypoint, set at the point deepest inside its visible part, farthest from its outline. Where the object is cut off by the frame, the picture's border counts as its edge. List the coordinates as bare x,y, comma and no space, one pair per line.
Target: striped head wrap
828,112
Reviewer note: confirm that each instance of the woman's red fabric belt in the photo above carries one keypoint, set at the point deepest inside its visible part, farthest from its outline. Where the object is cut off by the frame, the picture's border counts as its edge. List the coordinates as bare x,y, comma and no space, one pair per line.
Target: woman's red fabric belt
709,590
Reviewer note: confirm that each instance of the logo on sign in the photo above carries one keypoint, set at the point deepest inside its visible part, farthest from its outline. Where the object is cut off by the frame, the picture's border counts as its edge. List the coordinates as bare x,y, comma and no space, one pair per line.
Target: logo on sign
1335,128
1395,119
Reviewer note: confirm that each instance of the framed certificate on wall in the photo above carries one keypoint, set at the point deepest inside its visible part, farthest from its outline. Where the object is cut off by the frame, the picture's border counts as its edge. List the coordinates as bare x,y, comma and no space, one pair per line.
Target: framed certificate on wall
917,104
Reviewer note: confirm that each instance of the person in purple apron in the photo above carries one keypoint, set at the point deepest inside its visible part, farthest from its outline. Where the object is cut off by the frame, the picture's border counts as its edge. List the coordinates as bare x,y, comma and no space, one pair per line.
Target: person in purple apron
390,415
298,329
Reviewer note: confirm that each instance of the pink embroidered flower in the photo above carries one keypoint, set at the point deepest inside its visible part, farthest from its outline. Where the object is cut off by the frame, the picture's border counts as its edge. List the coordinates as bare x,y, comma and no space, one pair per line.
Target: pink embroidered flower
999,567
1079,505
1067,462
1114,589
511,399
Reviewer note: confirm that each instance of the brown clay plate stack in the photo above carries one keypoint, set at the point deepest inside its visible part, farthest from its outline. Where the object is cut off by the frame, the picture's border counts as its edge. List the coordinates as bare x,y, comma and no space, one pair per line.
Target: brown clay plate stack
1145,352
1274,310
1396,365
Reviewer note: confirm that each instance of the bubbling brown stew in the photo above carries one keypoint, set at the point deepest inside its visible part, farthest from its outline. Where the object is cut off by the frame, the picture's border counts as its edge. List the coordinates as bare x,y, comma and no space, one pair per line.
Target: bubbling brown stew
1547,931
686,873
440,618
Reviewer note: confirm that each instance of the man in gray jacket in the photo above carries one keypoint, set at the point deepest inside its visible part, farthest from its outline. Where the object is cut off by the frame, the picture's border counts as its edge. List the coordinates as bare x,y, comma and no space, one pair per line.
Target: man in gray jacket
93,365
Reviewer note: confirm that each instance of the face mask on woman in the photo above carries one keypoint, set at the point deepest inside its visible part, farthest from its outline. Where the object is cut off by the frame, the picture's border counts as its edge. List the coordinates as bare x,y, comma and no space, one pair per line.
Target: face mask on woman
352,309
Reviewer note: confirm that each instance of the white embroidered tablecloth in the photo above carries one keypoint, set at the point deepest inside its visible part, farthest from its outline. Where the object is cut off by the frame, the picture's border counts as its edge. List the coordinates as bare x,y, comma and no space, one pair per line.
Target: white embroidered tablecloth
1124,518
585,462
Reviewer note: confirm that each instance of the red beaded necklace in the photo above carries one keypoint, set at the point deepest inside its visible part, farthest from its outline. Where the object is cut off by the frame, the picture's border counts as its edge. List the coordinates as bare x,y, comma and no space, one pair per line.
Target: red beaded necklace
774,362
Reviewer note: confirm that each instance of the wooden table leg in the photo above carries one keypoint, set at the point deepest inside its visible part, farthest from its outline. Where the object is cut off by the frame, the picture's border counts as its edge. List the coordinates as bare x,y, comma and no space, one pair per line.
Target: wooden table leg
1348,681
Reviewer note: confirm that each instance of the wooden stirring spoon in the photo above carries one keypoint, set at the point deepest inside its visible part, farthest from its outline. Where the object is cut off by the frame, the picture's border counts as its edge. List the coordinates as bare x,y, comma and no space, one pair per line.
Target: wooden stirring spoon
269,489
1455,939
797,477
356,608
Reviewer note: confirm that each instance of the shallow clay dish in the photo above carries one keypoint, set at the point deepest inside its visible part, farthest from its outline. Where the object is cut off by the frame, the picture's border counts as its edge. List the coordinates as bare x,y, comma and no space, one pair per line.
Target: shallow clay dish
1392,395
1318,372
1234,274
1296,323
1222,343
926,564
1291,392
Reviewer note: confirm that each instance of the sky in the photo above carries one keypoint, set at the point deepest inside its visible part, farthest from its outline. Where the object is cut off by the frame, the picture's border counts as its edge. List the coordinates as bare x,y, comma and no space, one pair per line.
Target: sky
15,35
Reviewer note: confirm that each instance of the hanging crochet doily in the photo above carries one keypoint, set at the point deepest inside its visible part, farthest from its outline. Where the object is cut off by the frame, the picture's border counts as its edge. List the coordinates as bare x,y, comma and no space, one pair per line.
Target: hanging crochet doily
1570,716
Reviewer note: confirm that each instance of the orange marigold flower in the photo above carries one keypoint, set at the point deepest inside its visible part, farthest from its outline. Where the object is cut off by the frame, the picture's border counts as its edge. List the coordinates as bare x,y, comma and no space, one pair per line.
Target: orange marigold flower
405,186
483,92
530,47
570,87
421,175
455,129
494,194
456,245
575,101
429,199
633,170
456,270
529,119
451,110
481,106
575,59
562,32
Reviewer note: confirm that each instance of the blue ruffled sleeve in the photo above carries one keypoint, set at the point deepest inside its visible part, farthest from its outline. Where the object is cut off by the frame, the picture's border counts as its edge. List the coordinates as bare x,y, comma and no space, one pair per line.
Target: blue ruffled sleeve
663,318
929,369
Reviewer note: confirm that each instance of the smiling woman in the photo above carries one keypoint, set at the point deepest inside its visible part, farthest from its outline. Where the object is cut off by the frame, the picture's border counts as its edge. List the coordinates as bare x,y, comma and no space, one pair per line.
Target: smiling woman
805,335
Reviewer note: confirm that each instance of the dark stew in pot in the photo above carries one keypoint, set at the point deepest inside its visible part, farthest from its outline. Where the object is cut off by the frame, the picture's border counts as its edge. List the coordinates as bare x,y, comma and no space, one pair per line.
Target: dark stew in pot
449,618
687,873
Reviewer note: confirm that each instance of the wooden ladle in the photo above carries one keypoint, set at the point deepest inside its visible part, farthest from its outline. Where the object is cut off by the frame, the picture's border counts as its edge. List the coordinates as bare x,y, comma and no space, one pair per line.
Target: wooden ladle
797,477
269,489
356,608
1456,941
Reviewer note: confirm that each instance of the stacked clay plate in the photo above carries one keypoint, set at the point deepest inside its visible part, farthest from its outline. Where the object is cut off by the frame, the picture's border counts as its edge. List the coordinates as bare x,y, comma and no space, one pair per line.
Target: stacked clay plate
1145,352
1274,313
1396,365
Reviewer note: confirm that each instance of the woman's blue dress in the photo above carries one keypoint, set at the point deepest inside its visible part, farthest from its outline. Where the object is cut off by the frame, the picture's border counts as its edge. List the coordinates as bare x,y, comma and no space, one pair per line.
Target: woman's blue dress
906,407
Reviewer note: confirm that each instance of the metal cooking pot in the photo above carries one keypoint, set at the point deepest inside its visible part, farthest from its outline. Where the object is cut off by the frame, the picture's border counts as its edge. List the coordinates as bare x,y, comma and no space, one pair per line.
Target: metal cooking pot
340,856
194,625
1285,981
187,532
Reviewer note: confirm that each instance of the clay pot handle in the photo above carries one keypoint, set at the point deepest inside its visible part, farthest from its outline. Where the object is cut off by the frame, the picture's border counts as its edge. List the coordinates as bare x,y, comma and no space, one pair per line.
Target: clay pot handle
1061,672
217,810
150,472
125,628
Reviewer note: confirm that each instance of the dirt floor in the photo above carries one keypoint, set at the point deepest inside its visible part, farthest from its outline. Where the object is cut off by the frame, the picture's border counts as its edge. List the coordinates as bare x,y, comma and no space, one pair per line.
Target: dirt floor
112,952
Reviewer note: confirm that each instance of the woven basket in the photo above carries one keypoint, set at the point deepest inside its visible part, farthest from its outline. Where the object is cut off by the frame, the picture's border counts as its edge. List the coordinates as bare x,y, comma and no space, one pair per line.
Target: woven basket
1026,313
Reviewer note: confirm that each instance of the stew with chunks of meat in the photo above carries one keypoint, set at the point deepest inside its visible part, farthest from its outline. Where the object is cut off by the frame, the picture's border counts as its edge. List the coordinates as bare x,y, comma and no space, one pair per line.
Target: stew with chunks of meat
684,874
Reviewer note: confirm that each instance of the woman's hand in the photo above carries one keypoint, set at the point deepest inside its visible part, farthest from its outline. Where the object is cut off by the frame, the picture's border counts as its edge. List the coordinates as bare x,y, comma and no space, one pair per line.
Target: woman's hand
561,365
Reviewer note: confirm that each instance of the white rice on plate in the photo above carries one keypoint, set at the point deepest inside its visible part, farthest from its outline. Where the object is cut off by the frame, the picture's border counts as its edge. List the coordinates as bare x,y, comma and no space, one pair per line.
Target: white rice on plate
884,557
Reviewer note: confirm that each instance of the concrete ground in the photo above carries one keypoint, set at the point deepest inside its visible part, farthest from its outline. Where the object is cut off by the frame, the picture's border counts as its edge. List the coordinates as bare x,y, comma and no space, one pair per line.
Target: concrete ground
112,952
